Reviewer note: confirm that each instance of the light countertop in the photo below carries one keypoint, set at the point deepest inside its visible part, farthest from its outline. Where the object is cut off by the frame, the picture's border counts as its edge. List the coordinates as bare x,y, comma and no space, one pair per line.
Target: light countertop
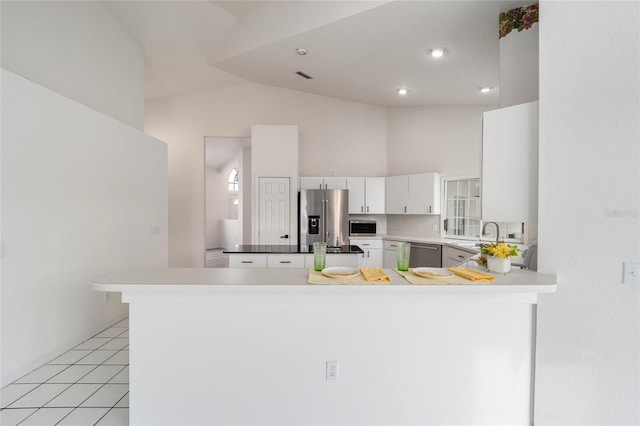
242,280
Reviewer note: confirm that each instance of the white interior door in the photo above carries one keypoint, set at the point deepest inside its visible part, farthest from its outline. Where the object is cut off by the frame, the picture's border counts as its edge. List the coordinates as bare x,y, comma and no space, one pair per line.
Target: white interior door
274,200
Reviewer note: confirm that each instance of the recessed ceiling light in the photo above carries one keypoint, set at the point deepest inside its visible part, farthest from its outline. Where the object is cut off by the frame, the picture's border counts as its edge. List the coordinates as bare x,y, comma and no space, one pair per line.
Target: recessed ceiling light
302,51
438,52
486,89
402,91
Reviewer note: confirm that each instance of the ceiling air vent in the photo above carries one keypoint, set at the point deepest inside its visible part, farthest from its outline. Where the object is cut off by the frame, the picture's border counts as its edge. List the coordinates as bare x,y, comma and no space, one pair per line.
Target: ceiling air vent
301,74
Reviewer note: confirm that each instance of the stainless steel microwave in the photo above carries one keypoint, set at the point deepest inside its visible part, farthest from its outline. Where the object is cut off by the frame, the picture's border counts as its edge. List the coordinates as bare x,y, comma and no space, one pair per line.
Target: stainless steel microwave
362,227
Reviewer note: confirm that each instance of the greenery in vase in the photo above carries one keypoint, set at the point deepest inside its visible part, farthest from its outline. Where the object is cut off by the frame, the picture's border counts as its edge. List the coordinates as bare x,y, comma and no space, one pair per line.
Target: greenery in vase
500,250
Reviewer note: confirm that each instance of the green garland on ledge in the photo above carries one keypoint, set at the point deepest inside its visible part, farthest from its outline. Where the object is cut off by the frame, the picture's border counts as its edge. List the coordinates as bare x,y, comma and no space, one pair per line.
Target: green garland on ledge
520,18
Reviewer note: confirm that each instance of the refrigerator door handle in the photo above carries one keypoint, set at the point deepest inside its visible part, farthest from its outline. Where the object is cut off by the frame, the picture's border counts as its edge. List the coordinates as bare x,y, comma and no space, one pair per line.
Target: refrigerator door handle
326,212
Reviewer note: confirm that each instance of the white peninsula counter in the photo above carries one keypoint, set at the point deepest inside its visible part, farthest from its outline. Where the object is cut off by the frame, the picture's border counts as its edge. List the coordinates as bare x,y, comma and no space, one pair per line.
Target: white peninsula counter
251,346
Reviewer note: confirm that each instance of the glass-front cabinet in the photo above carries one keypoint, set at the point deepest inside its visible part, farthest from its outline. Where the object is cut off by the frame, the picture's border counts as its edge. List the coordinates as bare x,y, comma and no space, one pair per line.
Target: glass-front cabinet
462,217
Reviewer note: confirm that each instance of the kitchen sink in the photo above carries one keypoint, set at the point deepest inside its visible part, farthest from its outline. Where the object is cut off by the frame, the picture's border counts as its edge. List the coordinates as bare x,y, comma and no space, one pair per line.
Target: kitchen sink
470,244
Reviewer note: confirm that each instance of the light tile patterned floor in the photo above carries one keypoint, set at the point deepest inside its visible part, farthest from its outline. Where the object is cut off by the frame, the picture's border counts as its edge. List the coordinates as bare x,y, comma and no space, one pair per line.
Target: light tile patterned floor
88,385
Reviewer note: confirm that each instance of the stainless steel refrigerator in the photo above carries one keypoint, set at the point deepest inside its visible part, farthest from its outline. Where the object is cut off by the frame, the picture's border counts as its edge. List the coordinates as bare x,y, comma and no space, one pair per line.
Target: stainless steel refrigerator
323,217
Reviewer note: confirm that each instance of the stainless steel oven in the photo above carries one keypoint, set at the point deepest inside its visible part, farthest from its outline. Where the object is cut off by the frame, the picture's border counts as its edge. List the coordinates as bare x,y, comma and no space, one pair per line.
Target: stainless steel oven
362,227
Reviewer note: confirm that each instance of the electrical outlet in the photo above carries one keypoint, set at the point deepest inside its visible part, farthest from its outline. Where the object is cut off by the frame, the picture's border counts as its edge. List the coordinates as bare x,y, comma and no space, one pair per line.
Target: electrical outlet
631,273
332,370
434,228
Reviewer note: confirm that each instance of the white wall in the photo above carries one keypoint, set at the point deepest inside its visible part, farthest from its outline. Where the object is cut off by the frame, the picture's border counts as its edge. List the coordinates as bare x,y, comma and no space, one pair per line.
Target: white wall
447,140
403,359
82,195
217,203
274,154
519,57
244,207
76,49
332,135
588,358
443,139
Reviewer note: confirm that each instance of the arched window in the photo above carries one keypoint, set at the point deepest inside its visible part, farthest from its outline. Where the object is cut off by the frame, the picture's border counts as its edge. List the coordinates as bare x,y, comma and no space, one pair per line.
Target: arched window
233,180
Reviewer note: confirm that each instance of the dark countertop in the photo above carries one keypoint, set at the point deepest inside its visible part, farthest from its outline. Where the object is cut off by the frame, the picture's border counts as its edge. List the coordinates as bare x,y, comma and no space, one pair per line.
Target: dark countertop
247,249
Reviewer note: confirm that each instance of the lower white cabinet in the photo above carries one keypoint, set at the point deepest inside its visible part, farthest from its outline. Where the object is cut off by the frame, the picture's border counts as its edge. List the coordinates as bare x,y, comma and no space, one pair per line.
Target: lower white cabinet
372,256
390,254
292,260
285,261
242,260
348,260
451,256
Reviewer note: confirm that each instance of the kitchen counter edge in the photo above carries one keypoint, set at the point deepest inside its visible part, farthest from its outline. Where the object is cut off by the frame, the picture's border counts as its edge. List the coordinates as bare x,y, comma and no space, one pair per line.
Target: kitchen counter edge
295,280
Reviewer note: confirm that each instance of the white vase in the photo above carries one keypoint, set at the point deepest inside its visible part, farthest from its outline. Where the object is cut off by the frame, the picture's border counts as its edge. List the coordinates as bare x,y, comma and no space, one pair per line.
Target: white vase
497,265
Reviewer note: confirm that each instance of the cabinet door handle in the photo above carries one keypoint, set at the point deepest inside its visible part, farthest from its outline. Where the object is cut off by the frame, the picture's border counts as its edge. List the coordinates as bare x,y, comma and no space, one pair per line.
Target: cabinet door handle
368,253
405,209
393,245
367,209
247,261
365,244
461,256
361,209
429,209
285,261
284,236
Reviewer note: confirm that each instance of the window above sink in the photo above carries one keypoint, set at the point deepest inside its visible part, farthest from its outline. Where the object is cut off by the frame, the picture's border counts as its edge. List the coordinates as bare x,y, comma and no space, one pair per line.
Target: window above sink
462,214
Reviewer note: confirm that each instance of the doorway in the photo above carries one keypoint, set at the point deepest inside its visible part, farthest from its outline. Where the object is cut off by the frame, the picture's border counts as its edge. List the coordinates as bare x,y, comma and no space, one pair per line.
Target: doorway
227,196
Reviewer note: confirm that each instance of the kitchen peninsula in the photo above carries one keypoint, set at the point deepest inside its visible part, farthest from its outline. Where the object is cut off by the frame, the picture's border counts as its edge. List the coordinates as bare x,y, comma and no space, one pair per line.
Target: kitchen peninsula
252,346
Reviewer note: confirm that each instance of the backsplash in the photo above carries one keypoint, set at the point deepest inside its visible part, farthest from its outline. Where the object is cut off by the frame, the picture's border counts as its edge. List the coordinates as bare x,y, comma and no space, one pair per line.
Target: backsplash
414,225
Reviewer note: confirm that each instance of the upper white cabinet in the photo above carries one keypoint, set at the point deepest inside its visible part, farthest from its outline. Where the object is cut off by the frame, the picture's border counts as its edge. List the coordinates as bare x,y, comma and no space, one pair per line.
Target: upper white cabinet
397,194
323,183
413,194
424,193
366,195
510,164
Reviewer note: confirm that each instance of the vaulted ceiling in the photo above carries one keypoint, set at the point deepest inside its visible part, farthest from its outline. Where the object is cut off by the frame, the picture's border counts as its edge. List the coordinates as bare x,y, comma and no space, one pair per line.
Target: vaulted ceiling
357,50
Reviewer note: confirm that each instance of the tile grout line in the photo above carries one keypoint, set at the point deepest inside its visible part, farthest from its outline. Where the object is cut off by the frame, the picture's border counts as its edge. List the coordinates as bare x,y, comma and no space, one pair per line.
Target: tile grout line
121,368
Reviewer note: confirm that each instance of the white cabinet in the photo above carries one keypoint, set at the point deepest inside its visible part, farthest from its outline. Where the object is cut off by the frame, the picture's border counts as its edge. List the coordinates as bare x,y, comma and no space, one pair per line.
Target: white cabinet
348,260
390,254
372,256
451,256
289,260
366,195
424,193
285,261
510,164
397,197
413,194
323,183
242,260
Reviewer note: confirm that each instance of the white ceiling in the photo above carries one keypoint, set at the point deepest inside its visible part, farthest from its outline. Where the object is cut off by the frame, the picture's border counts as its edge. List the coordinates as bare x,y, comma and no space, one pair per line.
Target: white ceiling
220,151
358,50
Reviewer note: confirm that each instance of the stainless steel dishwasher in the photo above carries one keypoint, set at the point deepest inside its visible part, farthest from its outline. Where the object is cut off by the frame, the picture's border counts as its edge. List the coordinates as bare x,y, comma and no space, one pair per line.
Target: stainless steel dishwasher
426,255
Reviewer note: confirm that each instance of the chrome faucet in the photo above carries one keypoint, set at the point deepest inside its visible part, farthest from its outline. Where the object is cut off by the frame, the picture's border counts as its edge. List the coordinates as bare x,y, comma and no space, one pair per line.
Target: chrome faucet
497,230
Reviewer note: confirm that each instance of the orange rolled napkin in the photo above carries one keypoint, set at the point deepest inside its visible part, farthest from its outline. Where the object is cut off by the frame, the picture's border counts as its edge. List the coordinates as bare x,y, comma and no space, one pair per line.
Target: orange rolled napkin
471,274
374,274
